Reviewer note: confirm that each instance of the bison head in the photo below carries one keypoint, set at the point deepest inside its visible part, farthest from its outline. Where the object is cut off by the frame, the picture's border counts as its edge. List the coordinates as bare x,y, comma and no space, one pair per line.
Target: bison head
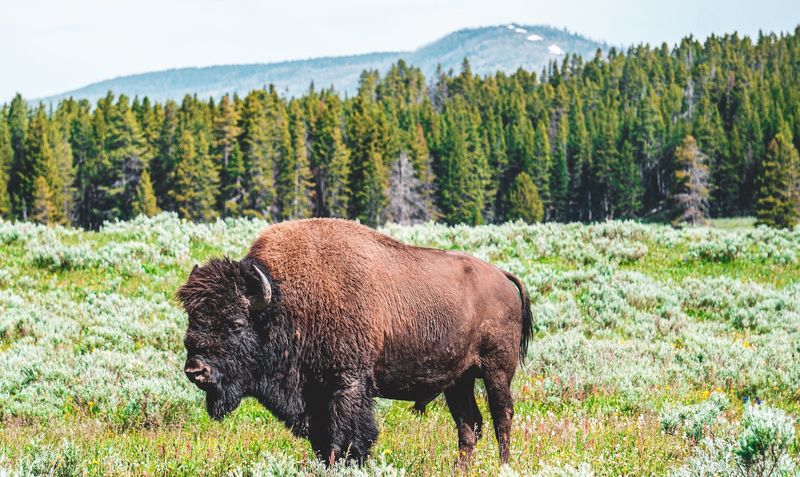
225,301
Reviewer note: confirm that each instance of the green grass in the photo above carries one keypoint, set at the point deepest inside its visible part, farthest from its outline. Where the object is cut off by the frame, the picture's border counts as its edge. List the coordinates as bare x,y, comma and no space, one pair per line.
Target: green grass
423,445
734,223
665,263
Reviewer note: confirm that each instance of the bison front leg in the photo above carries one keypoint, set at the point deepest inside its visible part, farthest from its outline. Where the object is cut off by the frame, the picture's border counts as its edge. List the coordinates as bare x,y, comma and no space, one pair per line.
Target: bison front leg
348,430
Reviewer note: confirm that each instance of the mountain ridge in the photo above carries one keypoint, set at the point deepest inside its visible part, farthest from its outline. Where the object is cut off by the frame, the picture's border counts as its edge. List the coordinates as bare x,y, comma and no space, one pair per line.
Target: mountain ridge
489,49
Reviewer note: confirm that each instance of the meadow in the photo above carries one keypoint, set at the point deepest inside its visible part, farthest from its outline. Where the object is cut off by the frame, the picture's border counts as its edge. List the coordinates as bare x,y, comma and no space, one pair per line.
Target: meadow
657,351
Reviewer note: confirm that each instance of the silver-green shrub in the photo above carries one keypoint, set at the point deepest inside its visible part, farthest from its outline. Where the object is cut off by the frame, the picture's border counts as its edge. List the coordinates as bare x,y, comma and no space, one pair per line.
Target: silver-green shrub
759,447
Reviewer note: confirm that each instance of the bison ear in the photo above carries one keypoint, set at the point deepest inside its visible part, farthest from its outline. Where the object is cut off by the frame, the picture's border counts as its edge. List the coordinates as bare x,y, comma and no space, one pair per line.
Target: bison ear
194,270
260,300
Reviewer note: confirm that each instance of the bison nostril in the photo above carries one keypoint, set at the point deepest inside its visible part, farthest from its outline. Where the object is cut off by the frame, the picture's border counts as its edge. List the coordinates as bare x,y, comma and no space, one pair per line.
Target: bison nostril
198,372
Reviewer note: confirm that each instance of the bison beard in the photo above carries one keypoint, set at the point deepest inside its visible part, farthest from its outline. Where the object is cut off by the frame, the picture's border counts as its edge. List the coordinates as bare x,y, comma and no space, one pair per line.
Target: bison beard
324,315
221,400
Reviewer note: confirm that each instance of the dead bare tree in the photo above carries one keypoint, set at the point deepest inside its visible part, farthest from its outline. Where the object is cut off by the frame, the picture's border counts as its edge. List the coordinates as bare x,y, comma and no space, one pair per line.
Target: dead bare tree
409,197
691,184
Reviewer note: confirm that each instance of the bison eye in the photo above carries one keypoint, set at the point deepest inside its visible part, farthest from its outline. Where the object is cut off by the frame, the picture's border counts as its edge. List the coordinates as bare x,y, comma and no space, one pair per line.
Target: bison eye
237,324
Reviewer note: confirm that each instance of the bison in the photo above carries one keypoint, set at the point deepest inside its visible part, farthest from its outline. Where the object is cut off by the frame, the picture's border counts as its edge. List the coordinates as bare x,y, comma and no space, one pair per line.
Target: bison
323,315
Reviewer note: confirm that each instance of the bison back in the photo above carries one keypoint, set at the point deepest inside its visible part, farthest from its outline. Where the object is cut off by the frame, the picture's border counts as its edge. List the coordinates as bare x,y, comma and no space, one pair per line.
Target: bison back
415,318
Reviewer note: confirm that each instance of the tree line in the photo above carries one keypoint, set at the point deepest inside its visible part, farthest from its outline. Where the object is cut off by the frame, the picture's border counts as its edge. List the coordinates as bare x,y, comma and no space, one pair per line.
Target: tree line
699,129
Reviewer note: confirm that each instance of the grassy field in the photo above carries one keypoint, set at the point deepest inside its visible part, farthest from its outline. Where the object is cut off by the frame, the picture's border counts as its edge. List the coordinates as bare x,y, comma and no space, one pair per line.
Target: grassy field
657,351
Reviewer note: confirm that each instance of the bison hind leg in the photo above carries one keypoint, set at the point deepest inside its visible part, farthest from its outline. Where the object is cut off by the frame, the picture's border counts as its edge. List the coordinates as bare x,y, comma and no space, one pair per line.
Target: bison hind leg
469,422
501,405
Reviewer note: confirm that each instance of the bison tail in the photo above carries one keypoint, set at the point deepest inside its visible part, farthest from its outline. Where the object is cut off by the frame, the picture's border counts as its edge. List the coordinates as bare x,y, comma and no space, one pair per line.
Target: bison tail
527,317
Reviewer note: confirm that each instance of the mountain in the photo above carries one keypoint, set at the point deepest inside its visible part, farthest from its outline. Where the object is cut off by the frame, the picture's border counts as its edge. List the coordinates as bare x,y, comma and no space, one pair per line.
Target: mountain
489,49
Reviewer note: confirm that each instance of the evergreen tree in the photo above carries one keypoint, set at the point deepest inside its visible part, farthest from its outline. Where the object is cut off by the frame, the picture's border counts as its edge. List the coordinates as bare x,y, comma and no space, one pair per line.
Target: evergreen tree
540,164
233,192
690,184
479,188
559,176
144,201
778,202
226,132
294,185
40,154
196,179
708,132
331,162
730,175
259,149
626,188
84,142
524,199
580,152
125,160
498,161
606,155
464,168
336,194
44,209
163,165
20,181
648,143
521,139
368,134
63,175
150,117
6,160
373,193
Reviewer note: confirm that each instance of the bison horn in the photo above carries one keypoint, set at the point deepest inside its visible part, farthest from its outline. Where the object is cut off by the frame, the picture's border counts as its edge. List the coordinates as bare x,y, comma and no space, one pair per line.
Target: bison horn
260,304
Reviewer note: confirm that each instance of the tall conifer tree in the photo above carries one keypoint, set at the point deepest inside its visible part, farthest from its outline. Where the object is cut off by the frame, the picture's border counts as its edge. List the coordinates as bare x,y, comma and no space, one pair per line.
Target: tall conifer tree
294,184
526,204
778,202
6,161
144,201
226,133
196,179
20,181
259,150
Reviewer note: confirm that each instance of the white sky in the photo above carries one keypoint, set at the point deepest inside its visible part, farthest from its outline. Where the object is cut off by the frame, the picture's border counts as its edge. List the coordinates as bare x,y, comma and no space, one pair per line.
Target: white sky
50,46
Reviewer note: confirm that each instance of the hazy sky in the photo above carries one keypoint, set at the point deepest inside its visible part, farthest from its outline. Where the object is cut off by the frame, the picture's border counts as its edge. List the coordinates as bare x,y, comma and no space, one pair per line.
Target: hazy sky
49,46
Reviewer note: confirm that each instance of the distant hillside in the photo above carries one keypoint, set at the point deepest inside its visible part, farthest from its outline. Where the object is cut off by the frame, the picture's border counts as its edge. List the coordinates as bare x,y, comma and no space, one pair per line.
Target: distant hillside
489,49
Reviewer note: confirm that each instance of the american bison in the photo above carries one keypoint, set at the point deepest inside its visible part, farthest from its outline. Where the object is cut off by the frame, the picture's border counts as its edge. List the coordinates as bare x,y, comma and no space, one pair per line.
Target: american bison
323,315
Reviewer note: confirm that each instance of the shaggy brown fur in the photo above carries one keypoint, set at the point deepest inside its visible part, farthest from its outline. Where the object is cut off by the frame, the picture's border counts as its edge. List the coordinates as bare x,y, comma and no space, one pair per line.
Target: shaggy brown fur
355,314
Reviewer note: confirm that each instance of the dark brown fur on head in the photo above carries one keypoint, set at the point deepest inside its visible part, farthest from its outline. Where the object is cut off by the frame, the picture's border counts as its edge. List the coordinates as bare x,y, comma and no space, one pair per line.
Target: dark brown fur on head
212,286
224,330
243,344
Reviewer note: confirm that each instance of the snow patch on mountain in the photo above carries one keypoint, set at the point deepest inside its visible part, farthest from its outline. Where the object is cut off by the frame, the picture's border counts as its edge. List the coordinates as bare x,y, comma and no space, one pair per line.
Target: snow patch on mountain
534,37
520,30
555,50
